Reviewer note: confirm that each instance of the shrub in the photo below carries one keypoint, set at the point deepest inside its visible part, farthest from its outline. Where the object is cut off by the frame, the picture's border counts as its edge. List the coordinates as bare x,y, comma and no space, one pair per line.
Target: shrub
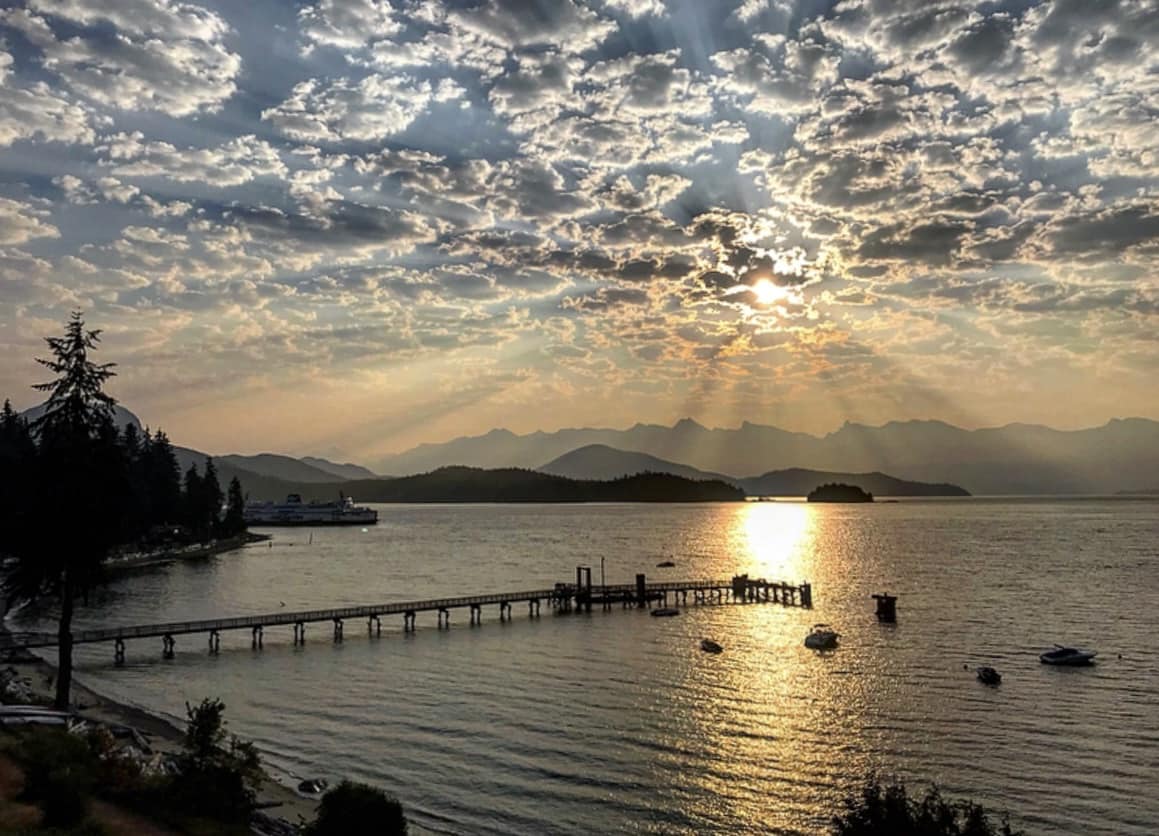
59,774
358,810
889,811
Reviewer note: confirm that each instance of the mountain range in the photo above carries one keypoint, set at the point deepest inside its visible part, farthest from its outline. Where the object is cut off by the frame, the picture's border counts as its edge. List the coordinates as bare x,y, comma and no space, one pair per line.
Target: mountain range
1123,454
920,458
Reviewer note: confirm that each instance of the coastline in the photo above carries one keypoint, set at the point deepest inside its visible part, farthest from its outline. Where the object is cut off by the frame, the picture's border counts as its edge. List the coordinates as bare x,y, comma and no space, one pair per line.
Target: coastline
277,802
214,547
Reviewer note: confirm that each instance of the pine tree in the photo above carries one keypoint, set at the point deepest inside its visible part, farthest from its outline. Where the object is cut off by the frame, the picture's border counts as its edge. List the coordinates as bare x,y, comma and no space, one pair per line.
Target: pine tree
193,503
212,498
163,476
79,472
234,522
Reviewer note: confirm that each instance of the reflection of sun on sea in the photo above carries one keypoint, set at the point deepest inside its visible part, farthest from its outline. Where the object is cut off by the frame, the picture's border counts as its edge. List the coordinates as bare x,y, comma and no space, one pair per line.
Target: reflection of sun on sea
779,539
768,711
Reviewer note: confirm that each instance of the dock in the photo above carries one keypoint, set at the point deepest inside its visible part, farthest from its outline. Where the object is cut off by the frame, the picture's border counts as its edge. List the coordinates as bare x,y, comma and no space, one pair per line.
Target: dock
580,596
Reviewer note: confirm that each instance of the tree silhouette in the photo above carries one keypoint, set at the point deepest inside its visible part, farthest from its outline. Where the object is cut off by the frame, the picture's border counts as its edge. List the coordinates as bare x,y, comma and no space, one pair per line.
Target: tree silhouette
78,476
234,522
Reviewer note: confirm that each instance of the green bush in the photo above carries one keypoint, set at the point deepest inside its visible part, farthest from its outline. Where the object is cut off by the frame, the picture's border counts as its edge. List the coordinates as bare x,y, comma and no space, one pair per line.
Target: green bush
358,810
889,811
59,773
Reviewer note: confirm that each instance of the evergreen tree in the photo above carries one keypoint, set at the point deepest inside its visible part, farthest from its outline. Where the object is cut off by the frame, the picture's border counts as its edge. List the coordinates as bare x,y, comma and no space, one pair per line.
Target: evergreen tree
163,480
234,522
137,514
80,472
212,498
193,503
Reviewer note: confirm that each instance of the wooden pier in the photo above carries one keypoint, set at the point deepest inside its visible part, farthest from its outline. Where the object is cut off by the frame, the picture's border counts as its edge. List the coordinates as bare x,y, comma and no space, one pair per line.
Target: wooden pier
563,598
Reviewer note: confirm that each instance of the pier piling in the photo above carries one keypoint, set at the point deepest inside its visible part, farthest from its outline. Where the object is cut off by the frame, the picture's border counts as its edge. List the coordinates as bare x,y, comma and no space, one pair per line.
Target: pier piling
119,652
256,638
214,642
167,646
338,631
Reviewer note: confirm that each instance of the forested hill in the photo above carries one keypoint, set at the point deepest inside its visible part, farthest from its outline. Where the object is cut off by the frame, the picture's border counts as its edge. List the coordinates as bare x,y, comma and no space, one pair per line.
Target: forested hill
469,484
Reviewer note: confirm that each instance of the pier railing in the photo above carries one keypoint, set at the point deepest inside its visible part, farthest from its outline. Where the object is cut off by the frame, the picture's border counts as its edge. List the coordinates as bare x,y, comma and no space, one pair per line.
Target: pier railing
561,596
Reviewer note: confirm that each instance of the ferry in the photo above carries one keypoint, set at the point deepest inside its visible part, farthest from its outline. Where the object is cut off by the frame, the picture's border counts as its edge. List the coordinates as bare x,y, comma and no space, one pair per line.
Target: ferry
296,512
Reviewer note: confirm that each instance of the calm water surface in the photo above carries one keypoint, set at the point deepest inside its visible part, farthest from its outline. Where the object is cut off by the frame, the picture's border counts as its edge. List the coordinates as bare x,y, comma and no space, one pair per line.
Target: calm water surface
616,722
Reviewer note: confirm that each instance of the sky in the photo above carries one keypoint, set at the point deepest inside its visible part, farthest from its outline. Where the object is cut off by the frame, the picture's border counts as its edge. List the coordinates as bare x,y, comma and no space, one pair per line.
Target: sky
346,227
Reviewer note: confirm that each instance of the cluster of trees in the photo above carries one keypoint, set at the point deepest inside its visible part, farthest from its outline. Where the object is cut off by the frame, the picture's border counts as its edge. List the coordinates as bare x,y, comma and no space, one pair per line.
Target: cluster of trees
472,484
75,489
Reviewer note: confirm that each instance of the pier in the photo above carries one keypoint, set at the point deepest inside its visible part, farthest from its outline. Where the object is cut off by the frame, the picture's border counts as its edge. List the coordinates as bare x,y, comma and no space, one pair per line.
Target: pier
580,596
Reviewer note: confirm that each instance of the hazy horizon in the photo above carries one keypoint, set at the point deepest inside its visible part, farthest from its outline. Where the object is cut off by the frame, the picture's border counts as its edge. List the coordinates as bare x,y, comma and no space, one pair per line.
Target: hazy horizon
352,227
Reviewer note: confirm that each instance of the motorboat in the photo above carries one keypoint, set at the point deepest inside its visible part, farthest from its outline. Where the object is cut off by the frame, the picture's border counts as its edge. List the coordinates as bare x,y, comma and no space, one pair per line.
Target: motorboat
1067,656
665,564
665,612
709,646
988,675
822,637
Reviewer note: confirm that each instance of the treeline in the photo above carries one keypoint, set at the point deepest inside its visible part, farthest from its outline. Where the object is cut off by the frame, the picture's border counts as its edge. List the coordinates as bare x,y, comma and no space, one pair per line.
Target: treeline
471,484
135,476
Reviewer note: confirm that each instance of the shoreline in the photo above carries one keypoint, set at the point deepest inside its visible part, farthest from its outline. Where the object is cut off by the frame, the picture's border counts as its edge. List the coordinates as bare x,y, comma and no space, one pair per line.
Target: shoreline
275,800
214,547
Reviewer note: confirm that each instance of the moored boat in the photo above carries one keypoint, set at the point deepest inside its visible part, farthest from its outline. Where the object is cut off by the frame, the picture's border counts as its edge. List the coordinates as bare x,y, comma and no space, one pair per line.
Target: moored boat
709,646
989,676
665,612
296,512
822,637
1067,656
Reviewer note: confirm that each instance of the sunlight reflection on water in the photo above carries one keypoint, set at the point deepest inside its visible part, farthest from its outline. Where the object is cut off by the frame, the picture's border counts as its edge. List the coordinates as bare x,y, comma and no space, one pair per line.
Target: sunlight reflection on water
617,722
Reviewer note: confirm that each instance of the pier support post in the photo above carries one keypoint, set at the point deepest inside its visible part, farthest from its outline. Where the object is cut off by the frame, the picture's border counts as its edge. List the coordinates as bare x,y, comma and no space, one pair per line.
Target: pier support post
533,608
807,595
167,646
408,622
476,615
886,607
338,631
374,626
299,633
504,610
256,638
641,591
214,642
119,652
444,619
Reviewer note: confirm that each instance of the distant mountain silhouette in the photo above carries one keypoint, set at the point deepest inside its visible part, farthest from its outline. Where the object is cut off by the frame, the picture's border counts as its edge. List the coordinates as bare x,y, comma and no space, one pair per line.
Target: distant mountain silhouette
797,481
279,467
342,471
598,461
470,484
1016,459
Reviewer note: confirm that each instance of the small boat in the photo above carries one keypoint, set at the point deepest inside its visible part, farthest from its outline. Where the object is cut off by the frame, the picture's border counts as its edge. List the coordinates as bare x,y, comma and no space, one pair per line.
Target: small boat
709,646
665,564
989,676
822,637
665,612
1067,656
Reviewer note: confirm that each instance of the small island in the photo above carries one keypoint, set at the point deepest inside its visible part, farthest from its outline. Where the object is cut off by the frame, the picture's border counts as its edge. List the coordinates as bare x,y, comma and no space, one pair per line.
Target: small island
839,492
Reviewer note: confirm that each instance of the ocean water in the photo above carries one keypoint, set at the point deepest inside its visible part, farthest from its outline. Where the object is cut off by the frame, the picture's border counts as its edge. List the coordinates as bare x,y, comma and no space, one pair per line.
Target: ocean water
614,722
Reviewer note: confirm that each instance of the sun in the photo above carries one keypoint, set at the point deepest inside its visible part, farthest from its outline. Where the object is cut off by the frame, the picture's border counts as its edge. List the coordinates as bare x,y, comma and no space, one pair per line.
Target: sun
766,292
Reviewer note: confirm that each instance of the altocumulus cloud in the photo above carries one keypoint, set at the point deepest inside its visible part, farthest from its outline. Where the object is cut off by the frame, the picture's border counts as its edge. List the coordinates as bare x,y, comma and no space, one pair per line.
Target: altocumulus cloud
585,203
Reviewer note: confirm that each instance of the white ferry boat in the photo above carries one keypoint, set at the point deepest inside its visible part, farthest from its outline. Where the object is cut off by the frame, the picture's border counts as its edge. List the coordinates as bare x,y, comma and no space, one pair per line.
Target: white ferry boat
296,512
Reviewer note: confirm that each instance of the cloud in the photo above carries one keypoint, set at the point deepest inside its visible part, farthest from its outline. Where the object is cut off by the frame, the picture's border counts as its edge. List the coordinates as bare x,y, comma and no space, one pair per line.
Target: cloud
231,164
160,56
20,223
376,107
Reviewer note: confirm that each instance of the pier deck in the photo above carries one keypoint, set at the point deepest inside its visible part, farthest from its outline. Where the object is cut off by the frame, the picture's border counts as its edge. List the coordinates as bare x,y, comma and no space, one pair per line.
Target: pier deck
563,597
